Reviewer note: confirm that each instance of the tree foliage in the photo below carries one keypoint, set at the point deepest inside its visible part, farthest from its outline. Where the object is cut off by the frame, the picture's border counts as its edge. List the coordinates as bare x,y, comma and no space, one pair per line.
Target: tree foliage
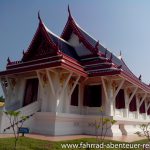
2,98
16,121
104,123
144,131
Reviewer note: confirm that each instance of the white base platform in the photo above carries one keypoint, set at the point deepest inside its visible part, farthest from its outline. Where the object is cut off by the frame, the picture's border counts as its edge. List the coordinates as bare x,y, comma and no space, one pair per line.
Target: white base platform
49,123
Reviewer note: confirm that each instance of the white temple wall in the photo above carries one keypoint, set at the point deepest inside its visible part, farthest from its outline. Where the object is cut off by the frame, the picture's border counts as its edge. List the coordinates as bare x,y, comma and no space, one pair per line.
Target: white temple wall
44,123
66,124
45,95
66,100
14,100
21,90
46,99
109,102
58,117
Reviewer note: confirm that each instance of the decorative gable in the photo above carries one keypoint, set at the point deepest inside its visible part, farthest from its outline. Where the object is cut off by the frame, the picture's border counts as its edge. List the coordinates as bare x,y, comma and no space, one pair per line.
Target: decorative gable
41,46
43,50
71,29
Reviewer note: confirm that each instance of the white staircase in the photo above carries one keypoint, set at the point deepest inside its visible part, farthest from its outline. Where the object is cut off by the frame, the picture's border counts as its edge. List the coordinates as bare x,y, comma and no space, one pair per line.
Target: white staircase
28,110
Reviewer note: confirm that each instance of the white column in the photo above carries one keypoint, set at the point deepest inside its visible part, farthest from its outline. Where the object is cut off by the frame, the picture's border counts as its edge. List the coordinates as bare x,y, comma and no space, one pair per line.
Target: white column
110,95
145,109
138,106
50,82
116,92
126,104
143,98
61,93
131,97
42,90
3,88
110,104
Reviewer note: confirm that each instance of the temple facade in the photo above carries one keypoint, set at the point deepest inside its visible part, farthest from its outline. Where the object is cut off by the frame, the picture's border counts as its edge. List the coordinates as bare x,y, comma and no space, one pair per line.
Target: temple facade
62,81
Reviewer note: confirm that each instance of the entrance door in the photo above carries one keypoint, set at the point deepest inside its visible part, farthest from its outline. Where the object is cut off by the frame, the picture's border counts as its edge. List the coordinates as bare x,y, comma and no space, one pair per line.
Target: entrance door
31,91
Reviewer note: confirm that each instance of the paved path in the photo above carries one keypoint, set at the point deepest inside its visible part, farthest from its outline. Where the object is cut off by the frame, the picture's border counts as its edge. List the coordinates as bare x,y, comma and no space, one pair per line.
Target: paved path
129,138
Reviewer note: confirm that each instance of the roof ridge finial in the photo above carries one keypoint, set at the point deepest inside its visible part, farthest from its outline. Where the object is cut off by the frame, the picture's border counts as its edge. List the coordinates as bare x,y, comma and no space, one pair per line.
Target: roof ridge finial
120,53
96,45
111,56
69,10
140,77
8,60
39,16
119,67
105,53
58,46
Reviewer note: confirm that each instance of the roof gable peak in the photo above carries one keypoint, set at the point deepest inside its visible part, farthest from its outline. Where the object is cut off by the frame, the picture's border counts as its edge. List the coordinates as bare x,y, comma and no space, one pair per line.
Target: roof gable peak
72,27
42,31
69,11
39,17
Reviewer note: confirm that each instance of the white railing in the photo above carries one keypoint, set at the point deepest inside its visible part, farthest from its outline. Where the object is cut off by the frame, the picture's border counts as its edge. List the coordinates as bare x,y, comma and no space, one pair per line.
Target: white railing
90,111
148,116
133,115
74,110
142,116
93,111
119,112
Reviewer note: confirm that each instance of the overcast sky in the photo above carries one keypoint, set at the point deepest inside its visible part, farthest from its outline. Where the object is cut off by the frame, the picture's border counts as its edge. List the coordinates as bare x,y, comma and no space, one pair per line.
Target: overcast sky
118,25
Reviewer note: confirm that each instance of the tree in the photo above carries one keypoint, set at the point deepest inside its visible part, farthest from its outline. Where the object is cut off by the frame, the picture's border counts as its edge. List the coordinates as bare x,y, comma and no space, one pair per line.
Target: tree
2,98
144,131
104,123
16,121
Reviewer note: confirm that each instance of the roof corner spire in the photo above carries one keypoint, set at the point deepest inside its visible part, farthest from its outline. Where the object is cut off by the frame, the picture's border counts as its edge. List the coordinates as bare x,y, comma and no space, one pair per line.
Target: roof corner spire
23,52
39,16
69,11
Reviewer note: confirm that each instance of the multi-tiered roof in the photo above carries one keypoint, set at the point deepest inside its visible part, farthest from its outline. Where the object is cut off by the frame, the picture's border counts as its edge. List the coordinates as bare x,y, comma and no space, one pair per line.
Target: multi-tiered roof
88,57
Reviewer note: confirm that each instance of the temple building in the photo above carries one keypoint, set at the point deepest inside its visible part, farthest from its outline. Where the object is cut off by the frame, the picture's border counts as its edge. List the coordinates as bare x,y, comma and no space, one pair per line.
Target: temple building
61,82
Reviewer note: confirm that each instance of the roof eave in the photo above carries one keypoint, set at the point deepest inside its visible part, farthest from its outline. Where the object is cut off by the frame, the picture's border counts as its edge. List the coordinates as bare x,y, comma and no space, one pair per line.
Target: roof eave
135,81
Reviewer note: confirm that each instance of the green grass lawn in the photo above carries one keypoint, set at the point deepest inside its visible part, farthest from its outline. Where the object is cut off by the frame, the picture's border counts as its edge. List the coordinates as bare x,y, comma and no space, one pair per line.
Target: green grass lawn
33,144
